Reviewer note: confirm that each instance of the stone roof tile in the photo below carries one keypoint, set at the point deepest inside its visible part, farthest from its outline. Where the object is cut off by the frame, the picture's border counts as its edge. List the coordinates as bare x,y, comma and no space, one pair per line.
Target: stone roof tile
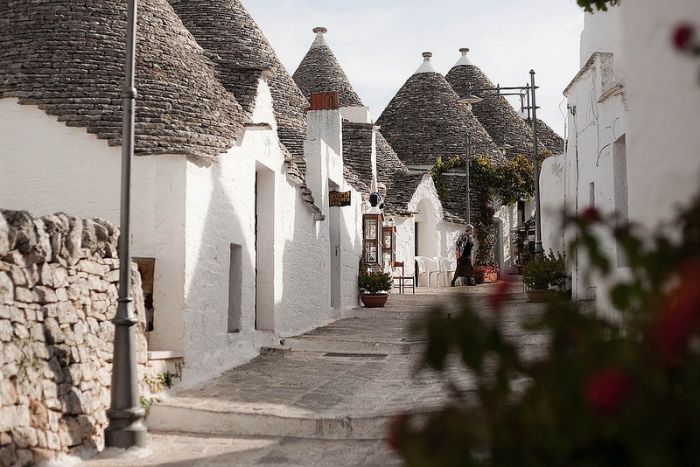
319,71
426,120
550,139
67,57
238,47
505,126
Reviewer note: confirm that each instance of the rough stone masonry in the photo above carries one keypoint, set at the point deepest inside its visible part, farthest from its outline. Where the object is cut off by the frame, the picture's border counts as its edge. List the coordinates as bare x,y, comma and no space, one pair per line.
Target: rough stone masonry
58,293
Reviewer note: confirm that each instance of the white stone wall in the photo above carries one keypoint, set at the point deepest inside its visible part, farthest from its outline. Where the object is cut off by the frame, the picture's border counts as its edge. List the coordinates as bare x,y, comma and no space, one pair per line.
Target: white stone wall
436,237
186,215
602,33
592,172
664,98
553,182
507,216
50,168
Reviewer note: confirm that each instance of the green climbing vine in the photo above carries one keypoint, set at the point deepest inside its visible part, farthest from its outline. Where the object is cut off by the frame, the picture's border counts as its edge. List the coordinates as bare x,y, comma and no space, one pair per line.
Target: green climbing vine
503,181
507,181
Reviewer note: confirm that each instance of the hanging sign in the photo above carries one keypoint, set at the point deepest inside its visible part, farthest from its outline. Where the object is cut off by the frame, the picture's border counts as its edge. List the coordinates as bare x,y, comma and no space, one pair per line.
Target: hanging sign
338,199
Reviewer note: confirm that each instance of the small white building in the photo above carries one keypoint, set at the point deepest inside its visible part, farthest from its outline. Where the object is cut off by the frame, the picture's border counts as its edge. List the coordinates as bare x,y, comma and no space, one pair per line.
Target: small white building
230,190
632,119
593,172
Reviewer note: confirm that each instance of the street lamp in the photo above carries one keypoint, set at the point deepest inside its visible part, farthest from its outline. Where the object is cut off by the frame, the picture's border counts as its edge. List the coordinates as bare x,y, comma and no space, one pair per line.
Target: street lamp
527,91
469,99
126,428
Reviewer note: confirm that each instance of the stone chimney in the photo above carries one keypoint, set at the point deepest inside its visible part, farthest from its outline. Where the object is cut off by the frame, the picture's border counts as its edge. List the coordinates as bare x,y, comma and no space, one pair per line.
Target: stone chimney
323,147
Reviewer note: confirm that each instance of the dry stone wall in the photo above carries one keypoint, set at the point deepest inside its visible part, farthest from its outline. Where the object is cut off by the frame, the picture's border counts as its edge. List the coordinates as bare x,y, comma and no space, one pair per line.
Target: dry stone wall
58,293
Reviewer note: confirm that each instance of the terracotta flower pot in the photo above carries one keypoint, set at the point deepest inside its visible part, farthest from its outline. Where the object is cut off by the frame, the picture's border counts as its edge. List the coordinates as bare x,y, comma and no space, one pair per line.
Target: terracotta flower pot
374,301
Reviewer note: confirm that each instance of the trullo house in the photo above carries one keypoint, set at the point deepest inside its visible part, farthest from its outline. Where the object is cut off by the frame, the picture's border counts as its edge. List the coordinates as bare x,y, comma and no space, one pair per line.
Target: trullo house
231,176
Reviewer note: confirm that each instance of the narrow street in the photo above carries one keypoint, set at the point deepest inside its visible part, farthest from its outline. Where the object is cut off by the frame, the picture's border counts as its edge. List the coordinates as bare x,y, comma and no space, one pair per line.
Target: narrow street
323,398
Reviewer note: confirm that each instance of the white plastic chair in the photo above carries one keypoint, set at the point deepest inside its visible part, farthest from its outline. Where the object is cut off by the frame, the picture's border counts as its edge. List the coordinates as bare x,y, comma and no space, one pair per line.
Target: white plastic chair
421,269
427,266
447,268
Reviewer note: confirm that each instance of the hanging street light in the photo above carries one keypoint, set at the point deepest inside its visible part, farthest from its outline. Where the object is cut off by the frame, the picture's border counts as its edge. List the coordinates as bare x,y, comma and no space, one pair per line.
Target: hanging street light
126,428
524,92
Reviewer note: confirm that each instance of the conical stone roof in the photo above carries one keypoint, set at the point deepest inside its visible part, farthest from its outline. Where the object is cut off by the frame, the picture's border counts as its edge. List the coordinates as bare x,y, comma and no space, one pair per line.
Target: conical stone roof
505,126
391,172
320,71
426,120
550,138
240,50
68,58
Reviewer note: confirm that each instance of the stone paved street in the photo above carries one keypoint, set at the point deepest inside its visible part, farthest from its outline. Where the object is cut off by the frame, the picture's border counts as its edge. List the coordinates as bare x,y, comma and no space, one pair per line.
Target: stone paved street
322,399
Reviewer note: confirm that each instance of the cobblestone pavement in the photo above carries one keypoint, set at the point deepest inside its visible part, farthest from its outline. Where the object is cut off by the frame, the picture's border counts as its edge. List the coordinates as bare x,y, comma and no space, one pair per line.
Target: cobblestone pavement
324,399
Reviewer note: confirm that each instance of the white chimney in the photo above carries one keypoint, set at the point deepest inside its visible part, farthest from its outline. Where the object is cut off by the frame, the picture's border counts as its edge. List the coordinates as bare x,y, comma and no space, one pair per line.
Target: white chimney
323,147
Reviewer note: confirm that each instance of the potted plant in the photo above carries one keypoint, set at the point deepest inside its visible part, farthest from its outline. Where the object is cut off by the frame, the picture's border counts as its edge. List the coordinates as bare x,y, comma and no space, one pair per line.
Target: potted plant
486,274
543,273
374,287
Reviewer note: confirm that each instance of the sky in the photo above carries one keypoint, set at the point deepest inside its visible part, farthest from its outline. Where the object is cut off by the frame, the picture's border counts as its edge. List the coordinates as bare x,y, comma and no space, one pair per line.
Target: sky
379,42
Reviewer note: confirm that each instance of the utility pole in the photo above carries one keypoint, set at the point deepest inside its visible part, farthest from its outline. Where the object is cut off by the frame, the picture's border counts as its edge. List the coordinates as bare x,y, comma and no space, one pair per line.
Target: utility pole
126,428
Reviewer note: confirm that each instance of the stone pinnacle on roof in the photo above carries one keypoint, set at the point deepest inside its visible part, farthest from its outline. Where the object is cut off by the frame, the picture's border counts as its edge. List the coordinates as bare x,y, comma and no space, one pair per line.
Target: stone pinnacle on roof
464,59
68,58
494,112
320,71
320,40
427,65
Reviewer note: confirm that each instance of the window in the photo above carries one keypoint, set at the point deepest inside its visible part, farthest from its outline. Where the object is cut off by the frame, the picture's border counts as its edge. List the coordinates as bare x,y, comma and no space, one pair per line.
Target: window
235,283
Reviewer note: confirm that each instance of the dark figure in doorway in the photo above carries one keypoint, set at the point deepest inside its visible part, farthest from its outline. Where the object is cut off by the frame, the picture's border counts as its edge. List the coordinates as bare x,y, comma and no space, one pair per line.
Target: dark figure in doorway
465,244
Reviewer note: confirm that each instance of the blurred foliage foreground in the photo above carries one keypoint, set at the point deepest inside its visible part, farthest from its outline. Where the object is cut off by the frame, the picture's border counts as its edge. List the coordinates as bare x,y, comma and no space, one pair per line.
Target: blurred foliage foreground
622,391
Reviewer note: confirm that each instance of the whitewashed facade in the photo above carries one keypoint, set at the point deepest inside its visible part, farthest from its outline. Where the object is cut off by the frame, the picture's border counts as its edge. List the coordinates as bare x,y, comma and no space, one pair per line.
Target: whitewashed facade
593,171
632,119
198,220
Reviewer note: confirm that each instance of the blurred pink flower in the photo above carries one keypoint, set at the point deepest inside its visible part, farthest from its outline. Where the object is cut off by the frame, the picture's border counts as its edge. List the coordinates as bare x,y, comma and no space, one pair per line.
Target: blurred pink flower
590,215
678,317
607,391
682,37
496,298
397,427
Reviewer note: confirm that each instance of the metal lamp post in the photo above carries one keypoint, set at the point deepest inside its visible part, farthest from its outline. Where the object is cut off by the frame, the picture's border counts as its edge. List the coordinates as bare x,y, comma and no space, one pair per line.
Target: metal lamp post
524,91
470,99
126,428
536,159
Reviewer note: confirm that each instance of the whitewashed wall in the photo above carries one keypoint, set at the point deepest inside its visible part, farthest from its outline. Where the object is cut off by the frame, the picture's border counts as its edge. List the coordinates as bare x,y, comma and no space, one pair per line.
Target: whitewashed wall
602,33
593,171
596,123
553,183
507,217
49,167
664,98
436,237
187,215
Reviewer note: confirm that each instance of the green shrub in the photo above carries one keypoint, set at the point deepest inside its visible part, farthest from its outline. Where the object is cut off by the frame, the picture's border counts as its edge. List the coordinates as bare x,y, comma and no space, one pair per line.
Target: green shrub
543,272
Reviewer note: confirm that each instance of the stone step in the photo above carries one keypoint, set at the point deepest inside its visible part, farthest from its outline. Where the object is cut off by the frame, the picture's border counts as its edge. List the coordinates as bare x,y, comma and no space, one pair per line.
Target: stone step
168,417
331,344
